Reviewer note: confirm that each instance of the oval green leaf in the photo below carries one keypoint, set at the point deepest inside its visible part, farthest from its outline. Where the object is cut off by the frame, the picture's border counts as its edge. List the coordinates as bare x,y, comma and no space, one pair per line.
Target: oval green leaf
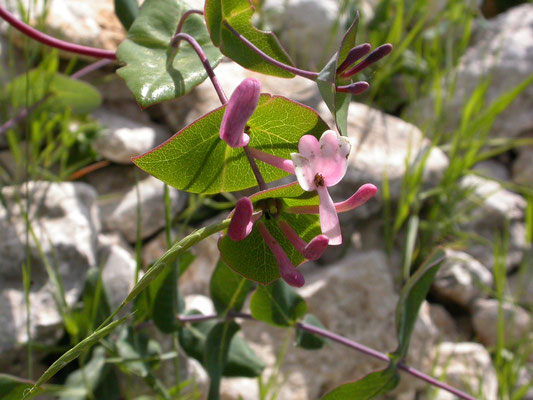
370,386
154,71
228,290
238,14
197,160
277,304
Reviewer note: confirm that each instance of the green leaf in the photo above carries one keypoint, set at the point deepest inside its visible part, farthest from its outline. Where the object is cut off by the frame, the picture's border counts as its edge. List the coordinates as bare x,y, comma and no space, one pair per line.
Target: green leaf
74,353
338,103
126,11
216,354
238,14
137,345
55,91
198,161
411,297
264,269
307,340
227,289
372,385
89,377
154,71
242,361
13,388
165,304
277,304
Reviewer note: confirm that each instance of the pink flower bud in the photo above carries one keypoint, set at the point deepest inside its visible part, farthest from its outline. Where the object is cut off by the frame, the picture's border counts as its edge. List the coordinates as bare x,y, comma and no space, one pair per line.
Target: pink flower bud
355,54
354,88
241,223
373,57
239,109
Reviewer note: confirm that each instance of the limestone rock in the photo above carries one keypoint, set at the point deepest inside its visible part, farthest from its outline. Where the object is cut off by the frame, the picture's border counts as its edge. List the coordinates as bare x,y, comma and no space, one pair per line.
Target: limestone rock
466,366
501,51
382,144
65,220
123,138
462,278
493,209
485,319
119,266
310,30
522,166
446,325
521,287
355,298
118,200
203,99
493,169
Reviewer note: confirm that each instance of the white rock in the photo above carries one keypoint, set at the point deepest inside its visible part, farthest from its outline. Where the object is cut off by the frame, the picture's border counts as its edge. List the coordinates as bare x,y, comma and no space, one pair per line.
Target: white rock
200,303
521,287
120,214
465,366
523,165
493,169
462,278
517,322
309,30
65,220
124,138
203,98
448,329
356,298
382,144
502,51
119,268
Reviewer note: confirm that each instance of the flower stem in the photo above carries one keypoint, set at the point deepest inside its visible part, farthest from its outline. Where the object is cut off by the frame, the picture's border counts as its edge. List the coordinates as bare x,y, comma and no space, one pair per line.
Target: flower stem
275,161
52,41
184,17
175,41
297,71
345,342
260,180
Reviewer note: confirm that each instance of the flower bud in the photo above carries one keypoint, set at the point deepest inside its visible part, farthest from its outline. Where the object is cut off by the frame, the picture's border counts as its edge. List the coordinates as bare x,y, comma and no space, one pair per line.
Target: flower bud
239,109
373,57
354,54
241,223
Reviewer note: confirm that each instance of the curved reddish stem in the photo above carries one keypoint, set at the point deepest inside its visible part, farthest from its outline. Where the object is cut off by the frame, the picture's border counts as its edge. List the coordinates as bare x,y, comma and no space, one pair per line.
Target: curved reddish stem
175,41
52,41
184,17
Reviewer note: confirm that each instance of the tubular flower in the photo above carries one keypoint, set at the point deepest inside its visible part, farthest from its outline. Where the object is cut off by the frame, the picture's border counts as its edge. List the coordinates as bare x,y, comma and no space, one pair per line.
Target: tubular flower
239,109
318,165
242,223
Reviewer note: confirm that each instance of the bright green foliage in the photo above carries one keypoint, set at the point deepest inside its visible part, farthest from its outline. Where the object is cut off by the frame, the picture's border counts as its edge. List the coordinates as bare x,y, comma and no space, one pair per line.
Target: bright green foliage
127,11
242,361
264,268
55,91
197,160
165,304
327,81
292,195
307,340
372,385
216,354
277,304
228,290
238,14
135,345
13,388
154,70
413,294
96,377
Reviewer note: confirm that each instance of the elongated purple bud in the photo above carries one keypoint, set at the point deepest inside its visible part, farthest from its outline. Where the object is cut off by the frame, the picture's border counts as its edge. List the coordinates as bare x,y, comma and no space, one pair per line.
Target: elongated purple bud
239,109
354,54
354,88
287,271
373,57
312,250
241,223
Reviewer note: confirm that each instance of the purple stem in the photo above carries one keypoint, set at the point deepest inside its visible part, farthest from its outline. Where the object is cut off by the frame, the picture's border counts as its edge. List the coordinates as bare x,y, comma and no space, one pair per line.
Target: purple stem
383,357
260,181
297,71
275,161
90,68
184,17
348,343
175,41
53,42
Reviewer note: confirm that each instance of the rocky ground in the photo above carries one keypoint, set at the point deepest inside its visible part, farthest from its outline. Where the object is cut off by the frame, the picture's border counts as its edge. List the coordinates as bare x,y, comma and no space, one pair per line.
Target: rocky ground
353,290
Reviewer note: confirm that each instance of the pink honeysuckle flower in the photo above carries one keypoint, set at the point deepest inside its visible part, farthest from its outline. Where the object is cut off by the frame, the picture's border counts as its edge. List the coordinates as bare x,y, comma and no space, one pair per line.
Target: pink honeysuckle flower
318,165
287,271
239,109
241,225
